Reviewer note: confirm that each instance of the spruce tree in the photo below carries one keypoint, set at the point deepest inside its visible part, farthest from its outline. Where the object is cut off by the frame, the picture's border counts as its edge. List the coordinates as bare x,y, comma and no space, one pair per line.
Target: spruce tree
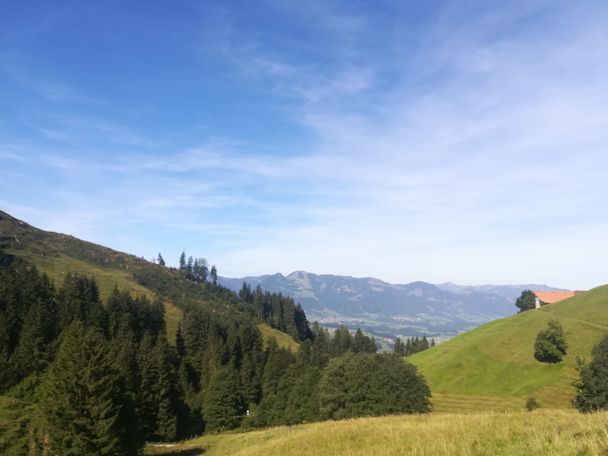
78,299
408,347
277,362
213,275
18,285
320,347
37,339
124,352
399,348
360,344
342,341
251,377
158,389
223,406
592,384
190,268
180,344
302,404
81,402
333,388
246,295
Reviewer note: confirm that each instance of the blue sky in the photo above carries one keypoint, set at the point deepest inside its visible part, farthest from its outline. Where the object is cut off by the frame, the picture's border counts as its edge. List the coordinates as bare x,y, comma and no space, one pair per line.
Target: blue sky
439,141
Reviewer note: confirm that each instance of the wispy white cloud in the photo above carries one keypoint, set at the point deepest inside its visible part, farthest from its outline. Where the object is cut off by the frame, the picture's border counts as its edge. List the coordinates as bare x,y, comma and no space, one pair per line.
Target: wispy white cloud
506,150
476,156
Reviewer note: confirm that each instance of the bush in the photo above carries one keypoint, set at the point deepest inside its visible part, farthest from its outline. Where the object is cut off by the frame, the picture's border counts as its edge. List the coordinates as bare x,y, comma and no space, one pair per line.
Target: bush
532,404
369,384
550,345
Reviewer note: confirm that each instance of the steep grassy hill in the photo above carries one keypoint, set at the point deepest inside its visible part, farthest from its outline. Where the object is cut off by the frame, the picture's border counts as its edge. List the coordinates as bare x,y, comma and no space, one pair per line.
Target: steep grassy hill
58,254
493,368
547,433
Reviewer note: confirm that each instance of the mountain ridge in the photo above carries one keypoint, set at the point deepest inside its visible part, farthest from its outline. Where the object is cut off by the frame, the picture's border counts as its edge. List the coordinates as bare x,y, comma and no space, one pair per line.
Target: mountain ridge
385,309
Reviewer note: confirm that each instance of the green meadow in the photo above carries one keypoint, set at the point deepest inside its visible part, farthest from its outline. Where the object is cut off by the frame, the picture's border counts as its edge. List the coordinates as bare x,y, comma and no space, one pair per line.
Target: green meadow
493,368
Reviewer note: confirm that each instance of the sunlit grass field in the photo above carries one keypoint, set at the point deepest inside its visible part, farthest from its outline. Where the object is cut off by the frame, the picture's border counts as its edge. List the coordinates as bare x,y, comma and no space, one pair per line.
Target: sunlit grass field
542,432
493,367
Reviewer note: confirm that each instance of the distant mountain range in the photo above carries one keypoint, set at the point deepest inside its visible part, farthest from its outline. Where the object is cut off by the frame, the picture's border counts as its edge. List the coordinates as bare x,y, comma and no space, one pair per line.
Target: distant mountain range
388,310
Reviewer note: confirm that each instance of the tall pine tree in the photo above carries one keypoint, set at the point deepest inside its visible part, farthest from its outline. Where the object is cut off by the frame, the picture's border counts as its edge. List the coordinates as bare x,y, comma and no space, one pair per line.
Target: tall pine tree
223,407
81,397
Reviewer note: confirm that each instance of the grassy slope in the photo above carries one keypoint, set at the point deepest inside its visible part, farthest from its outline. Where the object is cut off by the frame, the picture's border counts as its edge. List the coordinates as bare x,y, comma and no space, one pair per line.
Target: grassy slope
107,278
283,340
492,367
517,433
58,254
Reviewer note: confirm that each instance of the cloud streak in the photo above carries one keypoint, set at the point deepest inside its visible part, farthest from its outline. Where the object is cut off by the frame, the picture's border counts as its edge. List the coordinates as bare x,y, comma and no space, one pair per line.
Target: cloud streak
469,148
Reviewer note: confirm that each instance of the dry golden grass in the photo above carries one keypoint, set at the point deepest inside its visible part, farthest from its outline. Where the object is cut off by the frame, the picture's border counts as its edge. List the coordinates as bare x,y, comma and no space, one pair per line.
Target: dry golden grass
542,432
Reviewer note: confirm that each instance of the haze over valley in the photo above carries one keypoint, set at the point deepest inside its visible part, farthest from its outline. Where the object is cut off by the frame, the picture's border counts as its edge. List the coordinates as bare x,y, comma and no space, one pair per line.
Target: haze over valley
389,310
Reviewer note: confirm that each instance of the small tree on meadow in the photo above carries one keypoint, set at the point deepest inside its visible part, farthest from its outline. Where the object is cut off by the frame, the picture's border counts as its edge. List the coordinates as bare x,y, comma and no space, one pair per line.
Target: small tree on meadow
550,345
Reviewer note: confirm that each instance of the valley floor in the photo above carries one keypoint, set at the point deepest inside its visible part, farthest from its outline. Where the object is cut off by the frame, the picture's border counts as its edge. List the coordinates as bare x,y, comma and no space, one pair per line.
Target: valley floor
542,432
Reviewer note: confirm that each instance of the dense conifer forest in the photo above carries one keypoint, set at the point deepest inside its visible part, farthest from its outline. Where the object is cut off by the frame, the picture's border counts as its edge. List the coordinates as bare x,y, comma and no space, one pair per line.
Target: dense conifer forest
91,377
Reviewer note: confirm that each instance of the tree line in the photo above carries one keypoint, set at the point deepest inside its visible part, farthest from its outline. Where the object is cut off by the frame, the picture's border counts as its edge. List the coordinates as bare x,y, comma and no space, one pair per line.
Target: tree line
412,345
199,283
195,269
104,378
280,312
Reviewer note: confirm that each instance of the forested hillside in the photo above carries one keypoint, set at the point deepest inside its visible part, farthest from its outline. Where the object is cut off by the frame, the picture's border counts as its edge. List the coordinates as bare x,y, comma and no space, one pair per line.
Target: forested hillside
191,284
83,367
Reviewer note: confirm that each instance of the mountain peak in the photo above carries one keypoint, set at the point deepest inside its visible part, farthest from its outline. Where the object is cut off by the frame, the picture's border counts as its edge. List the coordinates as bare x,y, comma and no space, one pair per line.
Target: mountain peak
296,274
384,309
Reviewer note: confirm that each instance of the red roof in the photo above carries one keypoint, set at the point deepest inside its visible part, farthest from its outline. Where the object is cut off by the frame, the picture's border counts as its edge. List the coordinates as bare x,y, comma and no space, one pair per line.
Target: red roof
549,297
